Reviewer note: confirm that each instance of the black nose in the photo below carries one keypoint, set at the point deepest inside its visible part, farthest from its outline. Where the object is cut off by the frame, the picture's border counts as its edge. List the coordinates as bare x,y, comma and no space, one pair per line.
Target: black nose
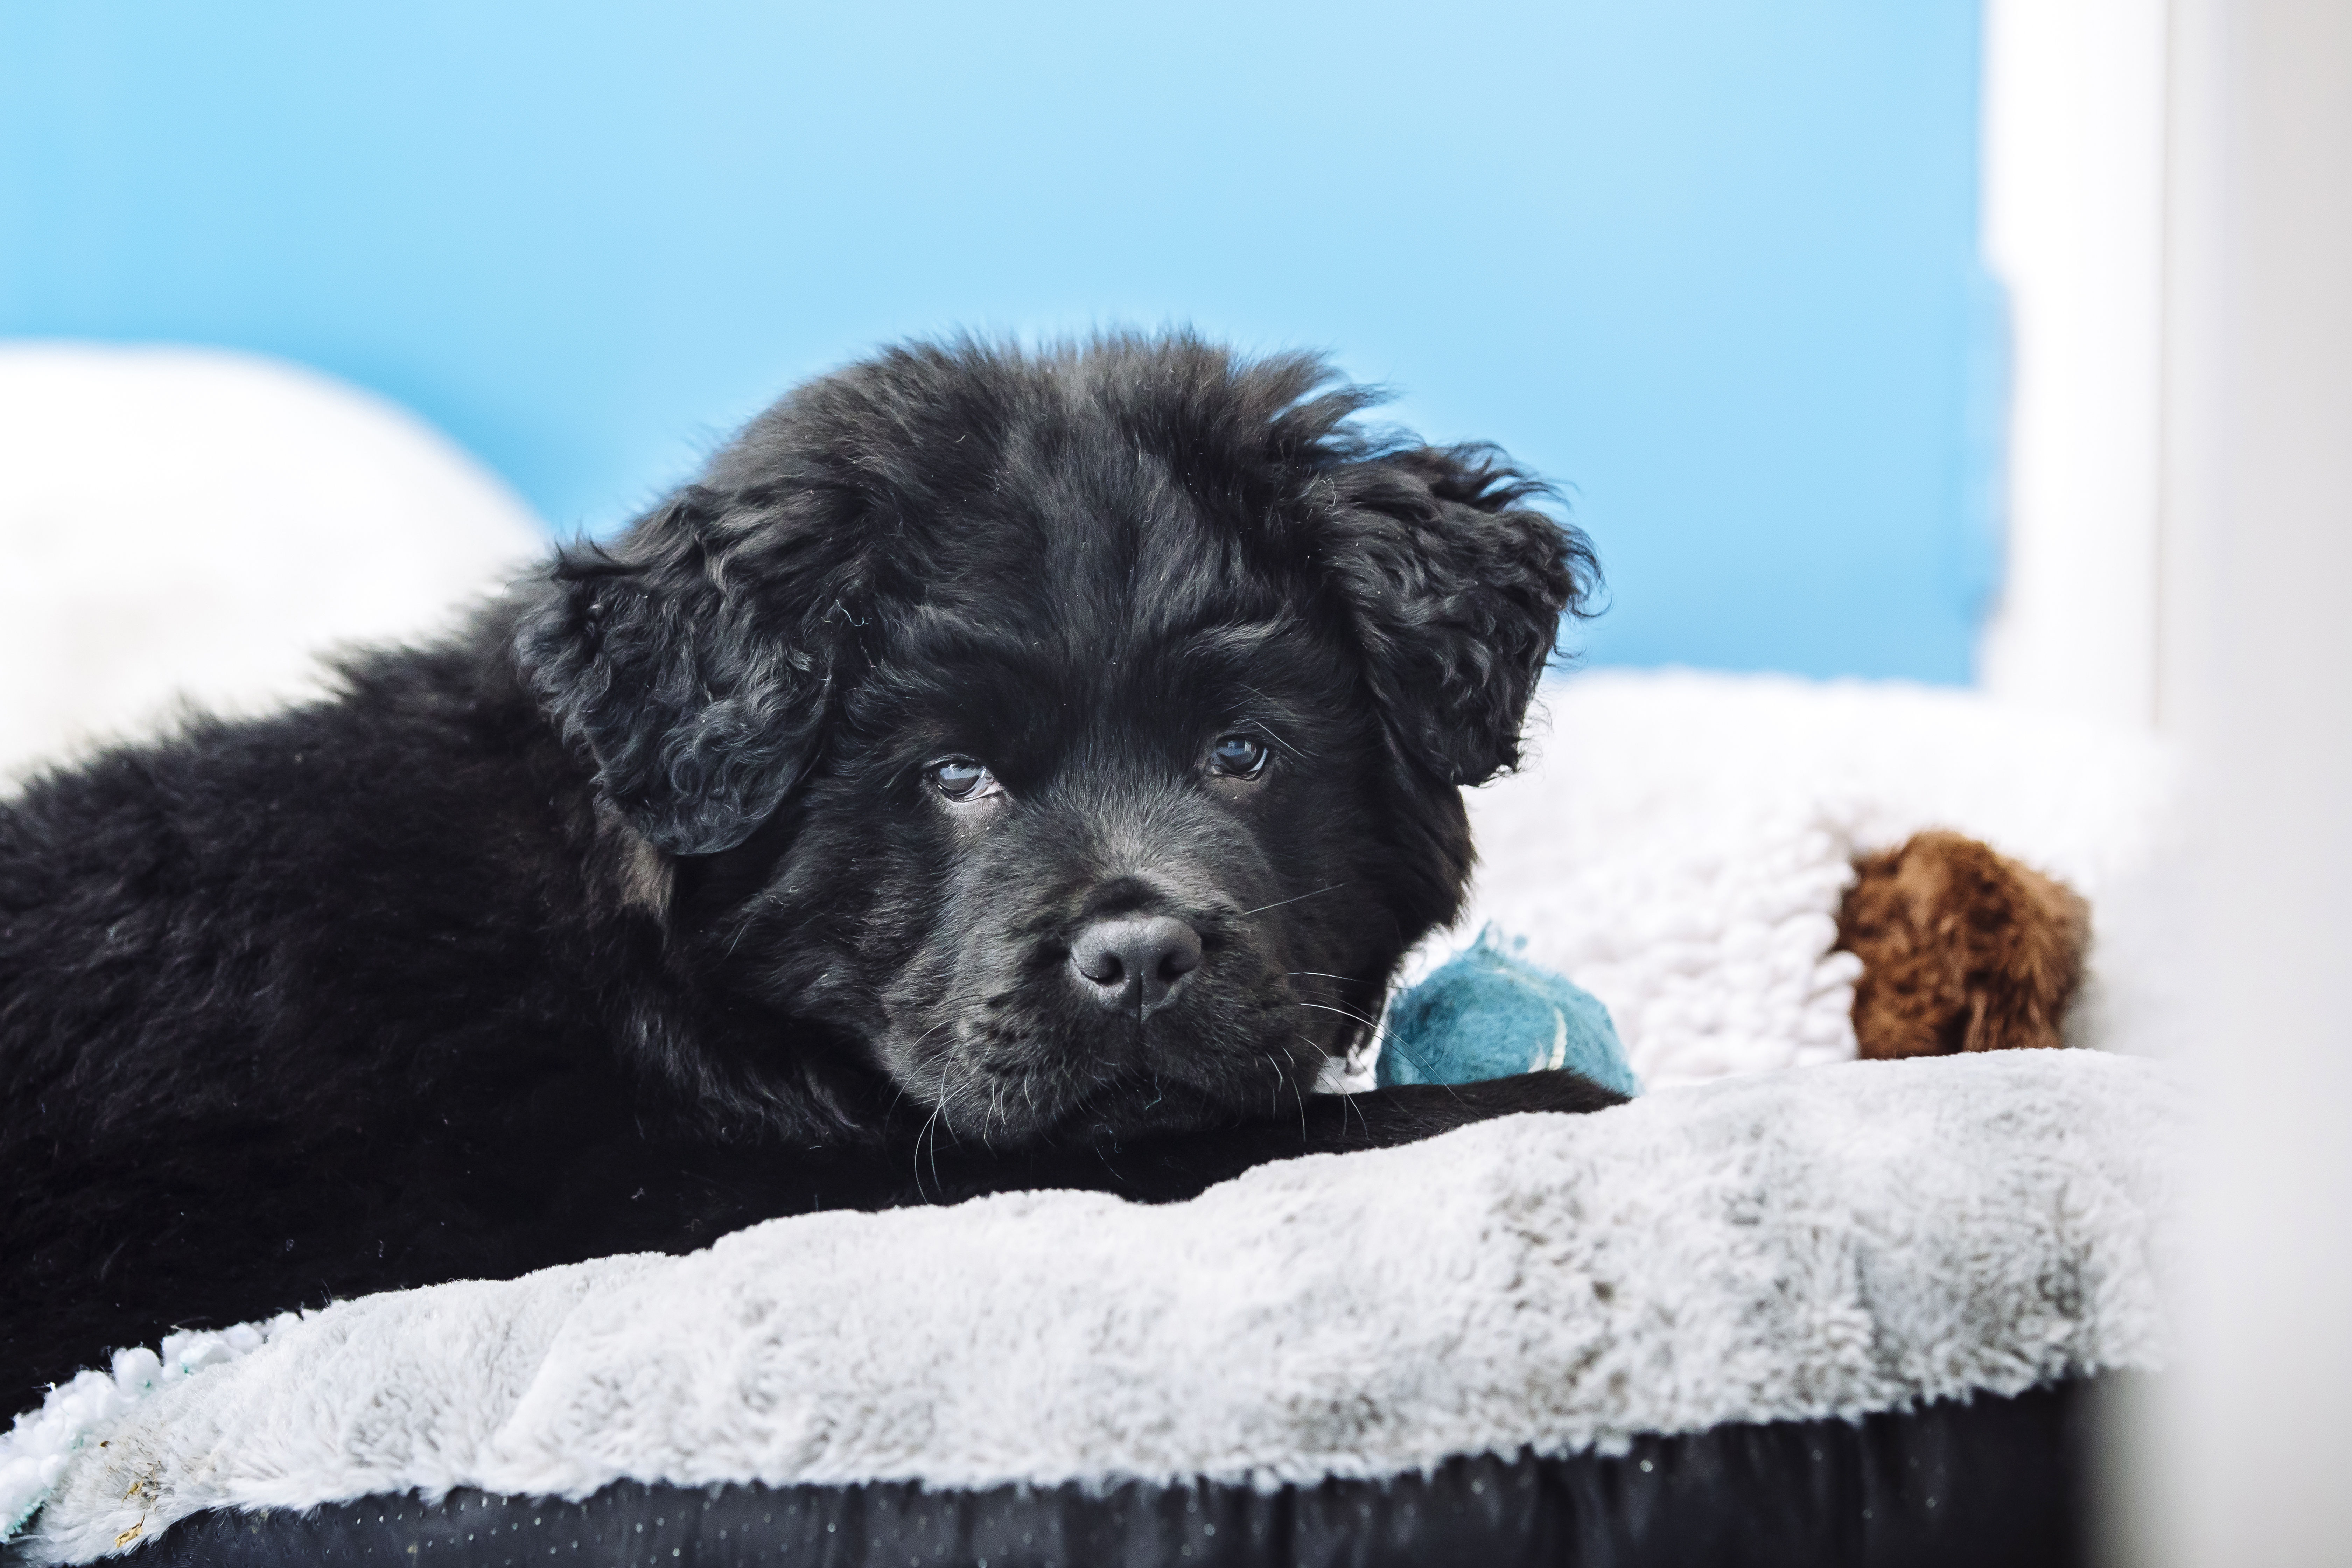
1135,965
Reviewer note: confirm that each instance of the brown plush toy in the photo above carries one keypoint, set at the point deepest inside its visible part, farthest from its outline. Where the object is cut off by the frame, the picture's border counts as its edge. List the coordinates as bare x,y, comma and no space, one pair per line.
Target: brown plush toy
1962,949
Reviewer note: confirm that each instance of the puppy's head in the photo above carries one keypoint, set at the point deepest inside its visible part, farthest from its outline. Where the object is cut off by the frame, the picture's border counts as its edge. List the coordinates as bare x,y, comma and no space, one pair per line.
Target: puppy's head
1076,737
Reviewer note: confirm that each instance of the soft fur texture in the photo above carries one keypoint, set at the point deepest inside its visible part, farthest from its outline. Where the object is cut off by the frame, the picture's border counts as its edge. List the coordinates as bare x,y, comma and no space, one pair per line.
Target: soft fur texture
1778,1248
1962,948
631,913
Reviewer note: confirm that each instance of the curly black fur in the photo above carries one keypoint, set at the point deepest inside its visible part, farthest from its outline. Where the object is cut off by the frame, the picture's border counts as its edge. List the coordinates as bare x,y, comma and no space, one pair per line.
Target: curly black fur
630,914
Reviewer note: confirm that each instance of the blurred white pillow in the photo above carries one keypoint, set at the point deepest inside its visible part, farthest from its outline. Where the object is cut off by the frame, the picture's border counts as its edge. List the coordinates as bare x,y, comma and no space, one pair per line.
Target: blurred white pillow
190,522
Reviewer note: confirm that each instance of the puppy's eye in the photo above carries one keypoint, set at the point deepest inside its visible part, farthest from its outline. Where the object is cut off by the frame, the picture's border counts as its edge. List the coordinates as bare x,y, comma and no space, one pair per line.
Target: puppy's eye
960,778
1237,756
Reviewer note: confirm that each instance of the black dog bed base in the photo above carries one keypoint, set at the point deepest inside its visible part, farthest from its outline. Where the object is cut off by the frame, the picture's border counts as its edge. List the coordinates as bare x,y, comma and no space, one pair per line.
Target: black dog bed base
1992,1480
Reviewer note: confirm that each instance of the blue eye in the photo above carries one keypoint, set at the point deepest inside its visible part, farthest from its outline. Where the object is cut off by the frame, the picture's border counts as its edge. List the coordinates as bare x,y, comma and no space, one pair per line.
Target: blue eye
960,778
1238,756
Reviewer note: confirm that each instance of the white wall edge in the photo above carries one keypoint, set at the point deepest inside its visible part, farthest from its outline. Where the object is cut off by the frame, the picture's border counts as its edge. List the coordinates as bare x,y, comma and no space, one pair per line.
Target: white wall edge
2074,204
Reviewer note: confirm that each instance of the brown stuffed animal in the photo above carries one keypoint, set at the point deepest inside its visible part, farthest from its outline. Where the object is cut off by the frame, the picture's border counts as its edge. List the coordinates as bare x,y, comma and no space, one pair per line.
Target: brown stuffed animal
1962,949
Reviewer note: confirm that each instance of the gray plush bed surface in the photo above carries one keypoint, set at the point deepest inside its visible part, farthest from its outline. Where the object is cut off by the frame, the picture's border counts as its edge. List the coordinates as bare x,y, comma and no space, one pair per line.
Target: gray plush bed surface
1824,1242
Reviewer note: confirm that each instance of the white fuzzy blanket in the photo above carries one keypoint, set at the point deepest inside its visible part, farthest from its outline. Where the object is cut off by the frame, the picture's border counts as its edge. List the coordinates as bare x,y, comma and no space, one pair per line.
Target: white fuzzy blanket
1776,1246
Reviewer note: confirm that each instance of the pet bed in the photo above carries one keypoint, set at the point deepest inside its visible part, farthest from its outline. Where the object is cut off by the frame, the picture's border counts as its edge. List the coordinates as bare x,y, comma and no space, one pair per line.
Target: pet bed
1845,1315
1787,1249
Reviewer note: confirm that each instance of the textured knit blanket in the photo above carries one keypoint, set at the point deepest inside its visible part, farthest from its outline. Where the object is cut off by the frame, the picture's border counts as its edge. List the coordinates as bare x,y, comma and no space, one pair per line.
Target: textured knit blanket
1680,846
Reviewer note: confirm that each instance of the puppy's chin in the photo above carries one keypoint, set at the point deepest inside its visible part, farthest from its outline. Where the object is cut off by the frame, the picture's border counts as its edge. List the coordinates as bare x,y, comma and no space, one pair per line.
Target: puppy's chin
1008,1097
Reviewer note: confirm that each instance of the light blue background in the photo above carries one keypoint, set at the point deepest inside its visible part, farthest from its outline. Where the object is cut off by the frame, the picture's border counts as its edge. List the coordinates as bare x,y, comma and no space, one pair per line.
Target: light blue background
1710,264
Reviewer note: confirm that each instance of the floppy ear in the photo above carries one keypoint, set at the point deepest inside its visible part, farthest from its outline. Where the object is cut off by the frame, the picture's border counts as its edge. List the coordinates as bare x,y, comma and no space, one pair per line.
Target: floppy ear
1457,589
701,716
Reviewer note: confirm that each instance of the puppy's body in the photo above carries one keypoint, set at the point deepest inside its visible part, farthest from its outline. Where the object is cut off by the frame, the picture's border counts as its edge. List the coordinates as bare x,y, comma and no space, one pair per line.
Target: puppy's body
995,771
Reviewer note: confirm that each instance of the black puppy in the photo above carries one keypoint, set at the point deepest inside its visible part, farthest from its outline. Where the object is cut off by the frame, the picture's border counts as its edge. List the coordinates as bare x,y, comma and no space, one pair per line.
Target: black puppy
998,770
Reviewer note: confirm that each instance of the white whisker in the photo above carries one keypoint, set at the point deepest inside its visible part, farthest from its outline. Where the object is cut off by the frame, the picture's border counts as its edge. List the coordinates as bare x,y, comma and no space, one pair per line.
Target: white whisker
1279,902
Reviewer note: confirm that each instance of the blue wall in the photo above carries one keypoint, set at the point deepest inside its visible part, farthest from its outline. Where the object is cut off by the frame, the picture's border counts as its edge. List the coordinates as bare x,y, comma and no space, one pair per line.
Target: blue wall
1711,264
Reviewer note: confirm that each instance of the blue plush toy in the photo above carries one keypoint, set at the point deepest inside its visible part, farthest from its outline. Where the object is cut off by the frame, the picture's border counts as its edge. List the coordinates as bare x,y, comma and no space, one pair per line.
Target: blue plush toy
1488,1013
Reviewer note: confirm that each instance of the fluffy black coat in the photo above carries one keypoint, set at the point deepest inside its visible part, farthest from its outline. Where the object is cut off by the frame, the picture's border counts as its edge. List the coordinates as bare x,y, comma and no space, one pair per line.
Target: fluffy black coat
997,770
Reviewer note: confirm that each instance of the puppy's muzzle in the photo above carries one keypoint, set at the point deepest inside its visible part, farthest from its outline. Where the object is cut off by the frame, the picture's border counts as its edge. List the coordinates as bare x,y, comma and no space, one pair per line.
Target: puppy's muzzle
1135,965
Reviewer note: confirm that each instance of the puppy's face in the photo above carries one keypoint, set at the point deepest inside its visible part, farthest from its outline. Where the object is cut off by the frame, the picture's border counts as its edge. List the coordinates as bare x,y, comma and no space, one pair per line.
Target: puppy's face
1072,738
1101,835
